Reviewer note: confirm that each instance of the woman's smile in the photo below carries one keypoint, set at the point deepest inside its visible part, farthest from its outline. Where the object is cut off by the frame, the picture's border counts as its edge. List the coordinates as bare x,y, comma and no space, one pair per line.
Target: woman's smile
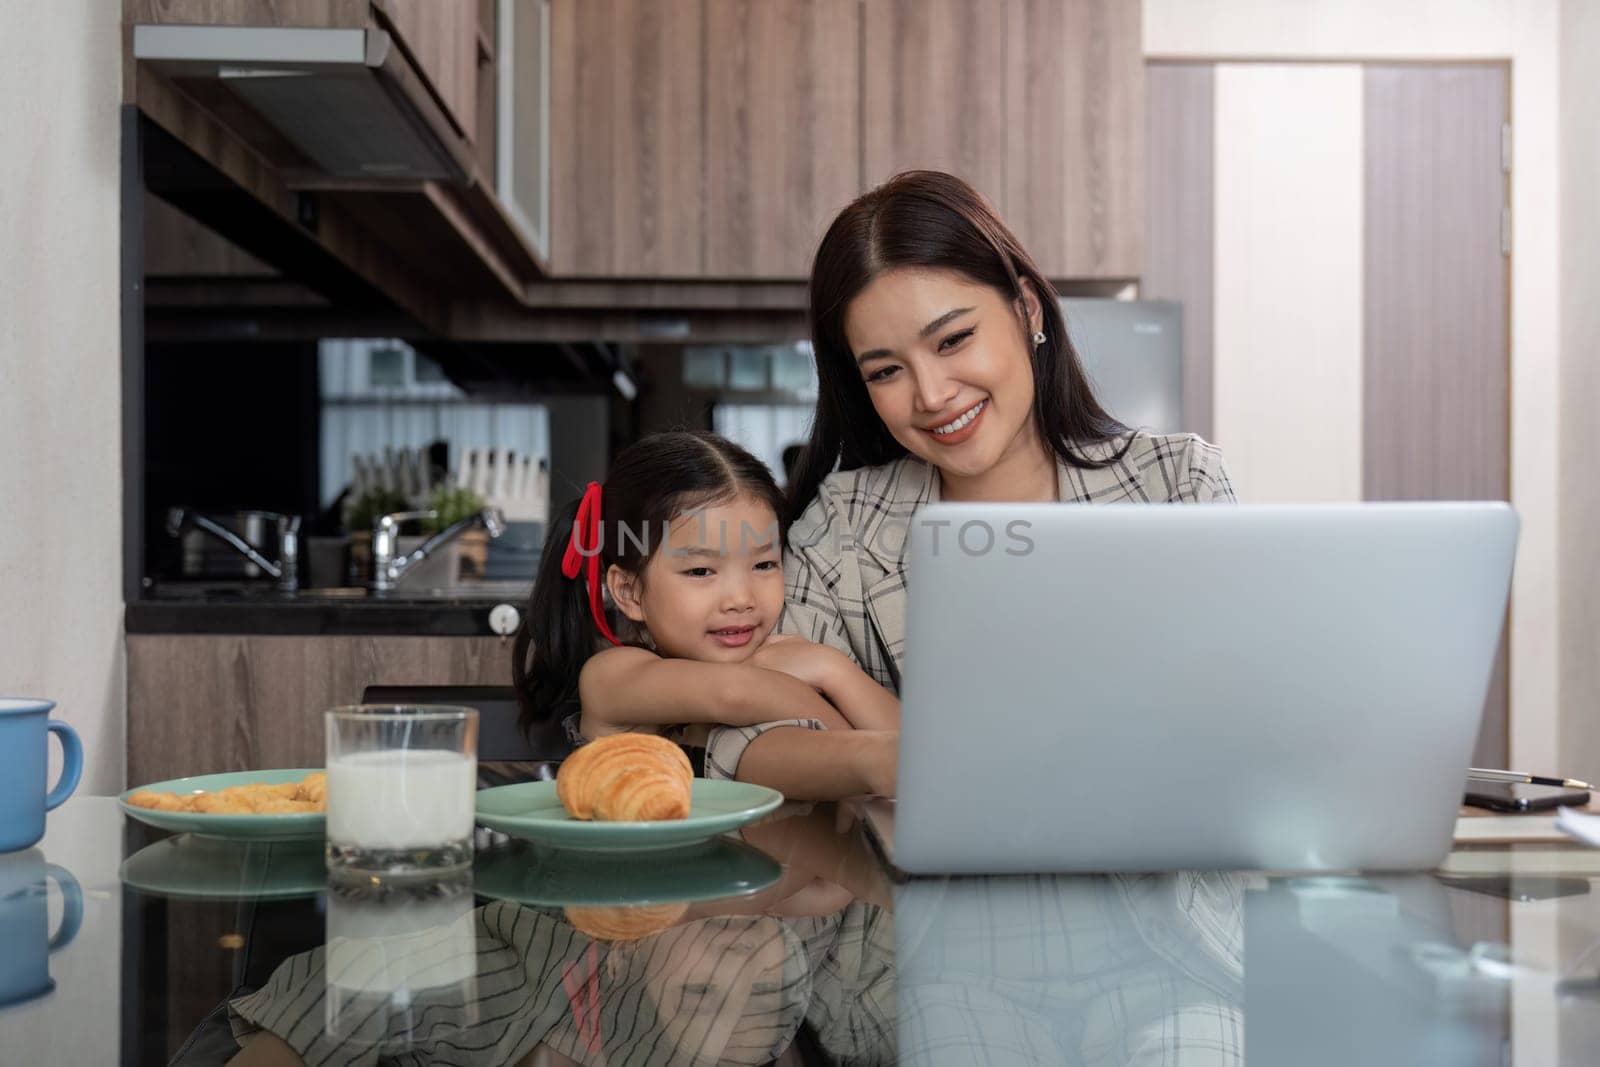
960,428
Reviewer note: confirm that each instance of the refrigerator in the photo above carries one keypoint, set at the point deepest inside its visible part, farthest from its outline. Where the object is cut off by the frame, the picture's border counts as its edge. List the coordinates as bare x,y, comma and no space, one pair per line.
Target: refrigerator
1132,351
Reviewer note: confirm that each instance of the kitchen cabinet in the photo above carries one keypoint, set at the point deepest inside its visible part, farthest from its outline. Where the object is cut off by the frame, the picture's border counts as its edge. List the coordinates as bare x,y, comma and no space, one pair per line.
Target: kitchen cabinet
1037,103
441,37
782,131
700,138
420,243
628,174
321,14
199,703
933,90
715,139
1074,121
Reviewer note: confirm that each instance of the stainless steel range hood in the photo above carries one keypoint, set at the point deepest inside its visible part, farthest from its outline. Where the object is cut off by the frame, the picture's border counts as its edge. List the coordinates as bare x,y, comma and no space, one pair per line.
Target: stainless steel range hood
346,98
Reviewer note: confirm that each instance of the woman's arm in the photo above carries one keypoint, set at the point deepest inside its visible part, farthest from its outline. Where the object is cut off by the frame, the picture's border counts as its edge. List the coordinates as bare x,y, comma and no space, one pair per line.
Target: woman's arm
635,687
822,764
1204,478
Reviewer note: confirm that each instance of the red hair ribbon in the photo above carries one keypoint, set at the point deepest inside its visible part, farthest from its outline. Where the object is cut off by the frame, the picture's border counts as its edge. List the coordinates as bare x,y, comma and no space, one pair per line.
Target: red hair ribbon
588,523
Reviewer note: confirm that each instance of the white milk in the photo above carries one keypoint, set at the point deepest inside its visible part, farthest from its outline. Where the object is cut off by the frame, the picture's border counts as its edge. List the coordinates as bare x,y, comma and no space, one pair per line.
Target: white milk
404,798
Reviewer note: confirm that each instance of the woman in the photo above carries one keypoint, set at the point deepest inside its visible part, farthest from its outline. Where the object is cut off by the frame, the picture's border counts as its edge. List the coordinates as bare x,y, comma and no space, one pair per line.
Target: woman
945,373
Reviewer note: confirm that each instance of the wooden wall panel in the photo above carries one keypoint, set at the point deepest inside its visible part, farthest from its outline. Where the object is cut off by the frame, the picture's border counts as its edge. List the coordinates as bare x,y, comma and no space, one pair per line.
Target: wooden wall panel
1437,367
1437,352
201,703
782,128
1180,216
1074,91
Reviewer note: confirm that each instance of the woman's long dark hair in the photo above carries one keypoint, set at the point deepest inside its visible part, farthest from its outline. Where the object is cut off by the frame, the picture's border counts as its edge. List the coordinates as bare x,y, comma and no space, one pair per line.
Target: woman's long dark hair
925,218
653,482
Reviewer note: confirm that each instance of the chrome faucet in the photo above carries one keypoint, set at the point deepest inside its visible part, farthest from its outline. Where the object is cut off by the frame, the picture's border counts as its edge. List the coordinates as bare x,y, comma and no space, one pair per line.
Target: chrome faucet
388,567
286,568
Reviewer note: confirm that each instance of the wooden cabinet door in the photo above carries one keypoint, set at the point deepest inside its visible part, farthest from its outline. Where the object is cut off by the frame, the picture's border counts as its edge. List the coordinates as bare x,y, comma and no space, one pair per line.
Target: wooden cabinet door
322,14
1074,177
627,168
782,133
933,91
203,703
442,38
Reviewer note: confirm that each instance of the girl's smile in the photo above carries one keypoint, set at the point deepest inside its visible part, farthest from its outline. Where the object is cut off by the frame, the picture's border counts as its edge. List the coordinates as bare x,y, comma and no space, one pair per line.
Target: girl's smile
714,591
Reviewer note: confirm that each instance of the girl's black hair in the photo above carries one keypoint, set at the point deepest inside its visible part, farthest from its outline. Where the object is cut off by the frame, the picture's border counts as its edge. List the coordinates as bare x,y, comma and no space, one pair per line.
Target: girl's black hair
653,481
925,218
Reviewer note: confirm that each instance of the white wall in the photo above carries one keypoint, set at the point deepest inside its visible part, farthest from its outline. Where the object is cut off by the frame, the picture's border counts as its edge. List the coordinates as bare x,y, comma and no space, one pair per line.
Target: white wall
1528,33
1287,358
60,380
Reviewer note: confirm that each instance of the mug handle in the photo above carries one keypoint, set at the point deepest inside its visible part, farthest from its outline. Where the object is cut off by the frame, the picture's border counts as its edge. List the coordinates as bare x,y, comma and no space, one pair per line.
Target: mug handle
71,905
71,764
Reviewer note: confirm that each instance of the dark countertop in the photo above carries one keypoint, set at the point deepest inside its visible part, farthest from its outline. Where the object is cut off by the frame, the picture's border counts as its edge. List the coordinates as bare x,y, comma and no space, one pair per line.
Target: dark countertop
242,608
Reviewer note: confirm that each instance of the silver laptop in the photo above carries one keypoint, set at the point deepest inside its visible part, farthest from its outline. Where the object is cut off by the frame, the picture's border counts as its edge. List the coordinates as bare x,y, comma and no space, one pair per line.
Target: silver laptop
1138,687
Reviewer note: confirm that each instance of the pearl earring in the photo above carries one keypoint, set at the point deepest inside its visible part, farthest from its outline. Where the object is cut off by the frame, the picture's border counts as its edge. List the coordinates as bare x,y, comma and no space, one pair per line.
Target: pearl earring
1038,339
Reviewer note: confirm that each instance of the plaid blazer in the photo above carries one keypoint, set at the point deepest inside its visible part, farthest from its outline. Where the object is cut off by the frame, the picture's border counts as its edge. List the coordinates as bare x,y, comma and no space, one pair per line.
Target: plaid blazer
845,564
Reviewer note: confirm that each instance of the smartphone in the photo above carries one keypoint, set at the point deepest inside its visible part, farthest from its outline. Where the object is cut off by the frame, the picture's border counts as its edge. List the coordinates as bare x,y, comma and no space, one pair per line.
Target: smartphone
1519,797
1519,887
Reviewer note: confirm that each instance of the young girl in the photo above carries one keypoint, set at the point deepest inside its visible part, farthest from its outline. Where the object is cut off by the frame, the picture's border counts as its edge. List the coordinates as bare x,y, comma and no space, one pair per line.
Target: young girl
686,536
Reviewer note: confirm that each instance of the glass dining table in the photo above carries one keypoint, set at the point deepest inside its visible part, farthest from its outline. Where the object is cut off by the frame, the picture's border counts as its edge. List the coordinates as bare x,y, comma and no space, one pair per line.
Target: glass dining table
792,942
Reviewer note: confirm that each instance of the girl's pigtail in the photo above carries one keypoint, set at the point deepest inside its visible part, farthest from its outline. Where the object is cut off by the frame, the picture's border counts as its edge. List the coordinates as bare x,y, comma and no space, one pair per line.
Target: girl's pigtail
557,635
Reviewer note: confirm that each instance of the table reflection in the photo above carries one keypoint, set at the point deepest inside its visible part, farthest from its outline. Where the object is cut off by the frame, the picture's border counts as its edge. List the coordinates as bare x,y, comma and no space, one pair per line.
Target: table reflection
715,954
1201,968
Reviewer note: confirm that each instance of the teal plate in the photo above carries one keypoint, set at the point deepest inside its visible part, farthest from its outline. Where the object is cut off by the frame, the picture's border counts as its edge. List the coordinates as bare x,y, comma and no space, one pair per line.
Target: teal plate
208,868
532,810
298,827
550,877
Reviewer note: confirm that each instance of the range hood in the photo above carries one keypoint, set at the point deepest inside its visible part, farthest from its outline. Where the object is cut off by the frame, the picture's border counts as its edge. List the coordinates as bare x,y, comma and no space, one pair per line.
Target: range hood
346,98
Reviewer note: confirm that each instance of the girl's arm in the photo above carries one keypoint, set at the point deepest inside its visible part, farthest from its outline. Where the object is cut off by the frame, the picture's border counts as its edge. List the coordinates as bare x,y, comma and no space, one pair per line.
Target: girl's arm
822,764
866,704
635,687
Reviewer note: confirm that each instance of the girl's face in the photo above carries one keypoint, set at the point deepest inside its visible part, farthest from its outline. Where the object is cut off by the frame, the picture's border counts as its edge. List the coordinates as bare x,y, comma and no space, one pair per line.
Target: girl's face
714,590
946,365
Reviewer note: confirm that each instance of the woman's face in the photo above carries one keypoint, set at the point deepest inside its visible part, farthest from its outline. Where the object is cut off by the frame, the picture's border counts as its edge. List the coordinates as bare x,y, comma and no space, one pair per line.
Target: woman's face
946,365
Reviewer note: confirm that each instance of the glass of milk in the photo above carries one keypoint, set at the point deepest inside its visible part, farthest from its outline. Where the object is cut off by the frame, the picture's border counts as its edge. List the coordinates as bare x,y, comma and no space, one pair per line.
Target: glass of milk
401,785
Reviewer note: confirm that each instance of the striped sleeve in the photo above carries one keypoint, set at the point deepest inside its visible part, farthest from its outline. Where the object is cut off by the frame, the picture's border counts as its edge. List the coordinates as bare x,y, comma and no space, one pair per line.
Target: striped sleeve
719,990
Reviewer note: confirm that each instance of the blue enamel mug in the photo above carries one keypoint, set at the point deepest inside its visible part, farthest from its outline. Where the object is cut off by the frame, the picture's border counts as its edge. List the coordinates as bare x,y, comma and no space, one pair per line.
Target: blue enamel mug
25,726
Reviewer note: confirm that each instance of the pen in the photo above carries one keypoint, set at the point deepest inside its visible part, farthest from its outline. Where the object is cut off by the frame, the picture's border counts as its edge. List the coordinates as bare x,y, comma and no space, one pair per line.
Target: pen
1483,774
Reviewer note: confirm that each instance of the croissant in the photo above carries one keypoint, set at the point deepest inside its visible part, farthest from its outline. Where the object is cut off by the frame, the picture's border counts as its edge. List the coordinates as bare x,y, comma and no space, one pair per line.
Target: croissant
626,778
624,922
